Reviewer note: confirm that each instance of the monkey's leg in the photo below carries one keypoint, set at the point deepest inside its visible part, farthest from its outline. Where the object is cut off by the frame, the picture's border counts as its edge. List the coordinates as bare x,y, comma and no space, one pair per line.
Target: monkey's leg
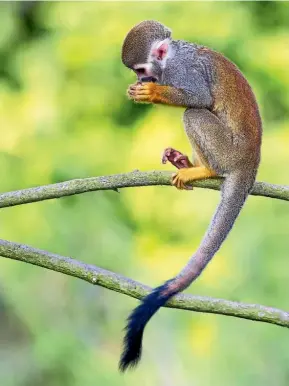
214,143
220,148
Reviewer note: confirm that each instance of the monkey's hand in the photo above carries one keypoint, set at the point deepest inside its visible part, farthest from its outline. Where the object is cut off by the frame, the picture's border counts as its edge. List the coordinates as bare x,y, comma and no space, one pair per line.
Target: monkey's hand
176,158
142,92
185,175
148,92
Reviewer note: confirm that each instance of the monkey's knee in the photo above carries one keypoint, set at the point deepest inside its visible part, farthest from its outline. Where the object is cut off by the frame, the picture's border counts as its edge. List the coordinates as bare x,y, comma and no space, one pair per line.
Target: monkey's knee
197,117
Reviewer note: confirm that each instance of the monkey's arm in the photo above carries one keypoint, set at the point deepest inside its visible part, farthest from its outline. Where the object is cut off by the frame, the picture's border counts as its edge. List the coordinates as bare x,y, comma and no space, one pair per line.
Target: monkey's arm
151,92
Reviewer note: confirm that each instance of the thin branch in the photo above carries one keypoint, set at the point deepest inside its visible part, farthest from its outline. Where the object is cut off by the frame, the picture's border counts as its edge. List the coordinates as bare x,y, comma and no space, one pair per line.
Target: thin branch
125,180
118,283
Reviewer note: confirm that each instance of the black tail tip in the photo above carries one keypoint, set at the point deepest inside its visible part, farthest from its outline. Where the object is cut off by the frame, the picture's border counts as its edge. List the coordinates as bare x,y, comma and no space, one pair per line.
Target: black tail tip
136,324
129,360
132,342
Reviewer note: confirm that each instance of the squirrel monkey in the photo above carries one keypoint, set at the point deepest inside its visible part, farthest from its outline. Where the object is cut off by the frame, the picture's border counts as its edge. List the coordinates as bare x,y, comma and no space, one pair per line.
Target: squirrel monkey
223,125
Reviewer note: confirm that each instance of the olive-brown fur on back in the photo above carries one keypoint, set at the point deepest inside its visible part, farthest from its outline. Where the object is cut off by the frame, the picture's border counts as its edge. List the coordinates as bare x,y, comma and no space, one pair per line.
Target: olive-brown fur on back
234,101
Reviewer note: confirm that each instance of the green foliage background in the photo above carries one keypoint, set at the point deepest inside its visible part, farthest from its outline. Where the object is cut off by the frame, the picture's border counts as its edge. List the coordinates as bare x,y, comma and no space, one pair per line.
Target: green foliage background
64,114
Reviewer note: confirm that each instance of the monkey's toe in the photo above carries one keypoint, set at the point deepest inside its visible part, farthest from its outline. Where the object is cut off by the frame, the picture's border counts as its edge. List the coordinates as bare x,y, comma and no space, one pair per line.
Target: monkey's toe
180,182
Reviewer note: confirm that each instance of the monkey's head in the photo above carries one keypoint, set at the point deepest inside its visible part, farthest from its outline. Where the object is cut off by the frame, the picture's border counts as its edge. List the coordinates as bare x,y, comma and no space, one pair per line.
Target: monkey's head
145,49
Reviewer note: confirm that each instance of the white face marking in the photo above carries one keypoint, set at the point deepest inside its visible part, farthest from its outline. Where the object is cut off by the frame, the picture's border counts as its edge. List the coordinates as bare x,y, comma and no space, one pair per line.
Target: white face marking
143,70
146,66
159,53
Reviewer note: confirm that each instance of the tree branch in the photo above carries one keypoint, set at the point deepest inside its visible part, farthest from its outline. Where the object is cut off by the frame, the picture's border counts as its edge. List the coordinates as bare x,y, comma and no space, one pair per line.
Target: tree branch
118,283
125,180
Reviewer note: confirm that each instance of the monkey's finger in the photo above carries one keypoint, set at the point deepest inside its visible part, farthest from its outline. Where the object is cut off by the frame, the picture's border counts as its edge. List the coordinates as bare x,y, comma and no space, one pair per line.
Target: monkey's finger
139,95
141,98
168,151
130,92
164,159
167,155
183,162
176,165
174,157
133,94
130,96
131,89
179,157
143,92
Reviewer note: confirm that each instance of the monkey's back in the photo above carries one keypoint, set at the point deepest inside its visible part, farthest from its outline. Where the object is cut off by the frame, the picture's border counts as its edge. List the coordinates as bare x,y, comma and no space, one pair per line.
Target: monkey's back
234,102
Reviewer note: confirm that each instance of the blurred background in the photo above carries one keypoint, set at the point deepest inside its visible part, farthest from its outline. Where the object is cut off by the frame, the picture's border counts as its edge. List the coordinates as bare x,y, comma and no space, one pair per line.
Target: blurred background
64,114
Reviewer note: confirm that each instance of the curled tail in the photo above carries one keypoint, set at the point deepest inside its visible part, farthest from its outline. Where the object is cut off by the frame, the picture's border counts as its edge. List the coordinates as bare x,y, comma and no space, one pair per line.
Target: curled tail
235,190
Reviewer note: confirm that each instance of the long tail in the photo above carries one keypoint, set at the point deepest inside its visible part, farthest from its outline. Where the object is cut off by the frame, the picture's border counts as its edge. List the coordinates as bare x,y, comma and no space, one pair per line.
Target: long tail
235,190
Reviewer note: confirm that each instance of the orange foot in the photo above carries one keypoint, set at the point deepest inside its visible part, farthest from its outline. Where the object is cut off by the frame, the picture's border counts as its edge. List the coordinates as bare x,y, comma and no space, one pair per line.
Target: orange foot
185,175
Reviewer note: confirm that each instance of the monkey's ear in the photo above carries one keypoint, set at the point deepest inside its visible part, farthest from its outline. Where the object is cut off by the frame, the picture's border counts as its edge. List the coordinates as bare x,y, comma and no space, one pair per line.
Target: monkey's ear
160,51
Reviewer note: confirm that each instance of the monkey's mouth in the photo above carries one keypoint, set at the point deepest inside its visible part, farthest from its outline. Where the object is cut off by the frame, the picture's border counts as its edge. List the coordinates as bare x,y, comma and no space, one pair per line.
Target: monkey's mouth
148,79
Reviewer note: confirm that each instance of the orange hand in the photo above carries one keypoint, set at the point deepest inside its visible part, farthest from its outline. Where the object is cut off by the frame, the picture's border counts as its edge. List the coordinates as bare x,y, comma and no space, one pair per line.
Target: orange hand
149,92
142,92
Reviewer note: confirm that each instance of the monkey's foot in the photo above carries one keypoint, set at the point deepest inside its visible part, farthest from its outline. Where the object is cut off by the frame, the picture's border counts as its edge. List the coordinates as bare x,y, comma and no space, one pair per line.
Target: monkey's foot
142,92
186,175
176,158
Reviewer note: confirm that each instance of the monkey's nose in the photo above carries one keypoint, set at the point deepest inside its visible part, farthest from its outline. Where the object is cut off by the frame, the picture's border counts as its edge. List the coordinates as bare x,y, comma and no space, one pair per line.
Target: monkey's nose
148,79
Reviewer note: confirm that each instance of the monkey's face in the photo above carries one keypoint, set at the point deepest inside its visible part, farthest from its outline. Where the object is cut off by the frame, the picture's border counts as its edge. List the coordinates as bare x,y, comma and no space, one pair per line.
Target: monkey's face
142,49
152,70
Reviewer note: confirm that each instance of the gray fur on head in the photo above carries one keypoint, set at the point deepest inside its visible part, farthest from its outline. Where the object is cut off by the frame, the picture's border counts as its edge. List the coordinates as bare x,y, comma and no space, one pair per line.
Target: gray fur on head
138,41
